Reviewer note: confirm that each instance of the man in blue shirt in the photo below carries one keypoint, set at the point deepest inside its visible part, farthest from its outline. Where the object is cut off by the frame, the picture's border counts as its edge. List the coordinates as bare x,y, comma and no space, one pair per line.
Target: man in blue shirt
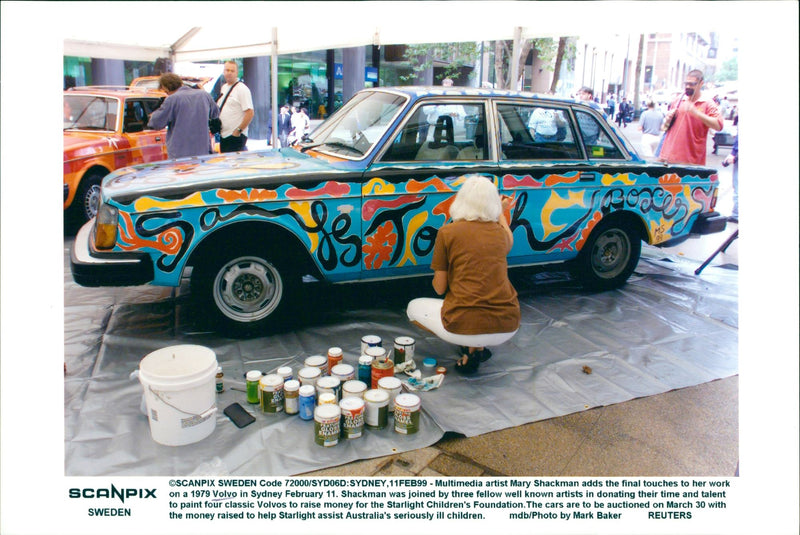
589,127
185,112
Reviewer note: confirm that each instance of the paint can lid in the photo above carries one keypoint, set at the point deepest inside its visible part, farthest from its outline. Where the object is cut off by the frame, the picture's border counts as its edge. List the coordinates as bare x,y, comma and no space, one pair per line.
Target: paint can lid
291,385
327,398
409,401
389,383
327,411
350,404
309,373
429,362
334,351
354,386
254,375
316,361
328,382
307,390
273,379
376,396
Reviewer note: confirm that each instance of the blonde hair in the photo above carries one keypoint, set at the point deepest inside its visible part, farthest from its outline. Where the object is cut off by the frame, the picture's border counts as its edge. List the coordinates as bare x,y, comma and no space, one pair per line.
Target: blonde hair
477,200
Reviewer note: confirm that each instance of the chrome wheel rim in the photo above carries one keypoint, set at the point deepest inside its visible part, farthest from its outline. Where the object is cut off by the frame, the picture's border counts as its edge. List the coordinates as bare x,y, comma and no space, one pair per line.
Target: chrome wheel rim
611,253
248,289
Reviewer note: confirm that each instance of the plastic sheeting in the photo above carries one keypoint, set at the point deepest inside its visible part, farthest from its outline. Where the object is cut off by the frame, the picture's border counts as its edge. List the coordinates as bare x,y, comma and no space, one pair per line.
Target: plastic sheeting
665,329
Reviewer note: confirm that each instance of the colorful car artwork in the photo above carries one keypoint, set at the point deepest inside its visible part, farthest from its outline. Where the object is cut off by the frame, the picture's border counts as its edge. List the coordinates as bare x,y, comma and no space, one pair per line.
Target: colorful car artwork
364,197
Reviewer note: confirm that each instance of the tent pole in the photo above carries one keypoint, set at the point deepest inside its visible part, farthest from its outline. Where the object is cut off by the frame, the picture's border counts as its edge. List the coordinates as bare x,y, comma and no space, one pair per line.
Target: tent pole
274,82
515,53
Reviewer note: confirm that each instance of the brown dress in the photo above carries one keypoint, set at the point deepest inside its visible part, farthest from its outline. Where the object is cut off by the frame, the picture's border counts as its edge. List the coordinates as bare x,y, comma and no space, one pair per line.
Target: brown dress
480,299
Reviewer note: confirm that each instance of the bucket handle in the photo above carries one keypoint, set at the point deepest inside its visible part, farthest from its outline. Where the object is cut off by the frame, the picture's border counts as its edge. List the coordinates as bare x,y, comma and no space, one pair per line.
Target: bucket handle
206,413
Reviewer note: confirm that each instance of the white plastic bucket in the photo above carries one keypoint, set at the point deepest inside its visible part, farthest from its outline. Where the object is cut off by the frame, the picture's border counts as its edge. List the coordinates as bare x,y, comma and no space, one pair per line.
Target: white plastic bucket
180,393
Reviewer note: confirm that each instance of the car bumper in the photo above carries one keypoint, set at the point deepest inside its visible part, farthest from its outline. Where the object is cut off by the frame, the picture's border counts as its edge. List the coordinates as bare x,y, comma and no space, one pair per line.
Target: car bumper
94,268
706,223
709,223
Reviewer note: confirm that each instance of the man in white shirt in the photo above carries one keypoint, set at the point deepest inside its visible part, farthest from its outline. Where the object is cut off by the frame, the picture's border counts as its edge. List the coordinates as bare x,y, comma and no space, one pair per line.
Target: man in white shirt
236,110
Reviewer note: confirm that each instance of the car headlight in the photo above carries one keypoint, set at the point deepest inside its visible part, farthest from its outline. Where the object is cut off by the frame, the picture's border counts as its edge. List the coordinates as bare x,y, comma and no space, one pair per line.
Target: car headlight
105,227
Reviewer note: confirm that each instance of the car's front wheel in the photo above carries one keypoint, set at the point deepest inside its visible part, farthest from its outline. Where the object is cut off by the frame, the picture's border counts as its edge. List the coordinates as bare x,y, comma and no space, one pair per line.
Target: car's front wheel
609,256
247,291
87,199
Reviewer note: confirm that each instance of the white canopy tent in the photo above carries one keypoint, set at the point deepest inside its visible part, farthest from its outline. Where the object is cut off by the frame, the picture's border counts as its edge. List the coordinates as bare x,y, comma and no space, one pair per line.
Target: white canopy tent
215,31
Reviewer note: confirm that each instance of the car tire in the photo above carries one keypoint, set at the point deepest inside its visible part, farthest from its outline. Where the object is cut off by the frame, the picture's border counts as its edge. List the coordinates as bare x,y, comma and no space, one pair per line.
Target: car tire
247,292
87,199
609,256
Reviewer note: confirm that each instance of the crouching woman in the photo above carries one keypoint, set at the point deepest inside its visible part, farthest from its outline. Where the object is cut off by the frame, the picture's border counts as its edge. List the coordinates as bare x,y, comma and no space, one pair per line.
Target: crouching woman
480,306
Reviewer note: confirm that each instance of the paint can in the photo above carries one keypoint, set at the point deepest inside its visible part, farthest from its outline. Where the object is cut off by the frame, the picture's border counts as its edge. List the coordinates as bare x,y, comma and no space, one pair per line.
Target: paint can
285,372
380,369
309,376
403,349
291,396
317,361
354,389
219,385
327,398
329,384
271,387
376,410
368,341
392,386
335,357
406,413
252,380
307,402
352,417
365,369
326,425
343,372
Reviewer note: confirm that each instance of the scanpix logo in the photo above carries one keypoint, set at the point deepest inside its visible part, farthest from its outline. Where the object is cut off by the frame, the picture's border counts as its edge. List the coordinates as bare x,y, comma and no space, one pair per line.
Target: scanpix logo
113,492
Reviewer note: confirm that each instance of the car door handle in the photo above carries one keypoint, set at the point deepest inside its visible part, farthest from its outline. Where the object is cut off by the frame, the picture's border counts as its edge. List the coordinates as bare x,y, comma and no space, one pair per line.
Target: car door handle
158,138
586,177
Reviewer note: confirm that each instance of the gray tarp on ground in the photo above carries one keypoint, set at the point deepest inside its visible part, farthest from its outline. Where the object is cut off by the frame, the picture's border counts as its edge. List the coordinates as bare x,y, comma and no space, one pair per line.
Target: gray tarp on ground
665,329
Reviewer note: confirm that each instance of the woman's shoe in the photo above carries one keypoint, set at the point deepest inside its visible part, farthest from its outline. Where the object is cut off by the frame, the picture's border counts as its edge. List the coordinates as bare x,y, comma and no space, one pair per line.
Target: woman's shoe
485,354
471,366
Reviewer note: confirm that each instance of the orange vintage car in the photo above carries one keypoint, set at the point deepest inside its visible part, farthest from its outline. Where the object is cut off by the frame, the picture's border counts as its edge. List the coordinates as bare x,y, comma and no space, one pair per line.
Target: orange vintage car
105,128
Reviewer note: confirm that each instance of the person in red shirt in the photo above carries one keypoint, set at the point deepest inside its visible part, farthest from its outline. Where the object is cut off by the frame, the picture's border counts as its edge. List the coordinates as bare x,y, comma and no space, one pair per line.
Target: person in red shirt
480,306
688,122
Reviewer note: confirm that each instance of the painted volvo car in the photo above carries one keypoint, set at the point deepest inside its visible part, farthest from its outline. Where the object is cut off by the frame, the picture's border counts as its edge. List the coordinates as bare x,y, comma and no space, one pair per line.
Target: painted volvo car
363,196
105,128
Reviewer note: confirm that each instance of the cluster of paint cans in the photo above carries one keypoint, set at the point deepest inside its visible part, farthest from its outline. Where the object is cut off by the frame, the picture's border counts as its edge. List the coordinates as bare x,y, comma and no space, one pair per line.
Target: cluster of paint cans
340,398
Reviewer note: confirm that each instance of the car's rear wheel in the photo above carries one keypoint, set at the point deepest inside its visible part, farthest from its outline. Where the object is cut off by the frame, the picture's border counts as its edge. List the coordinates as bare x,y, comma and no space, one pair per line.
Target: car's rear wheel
609,256
248,291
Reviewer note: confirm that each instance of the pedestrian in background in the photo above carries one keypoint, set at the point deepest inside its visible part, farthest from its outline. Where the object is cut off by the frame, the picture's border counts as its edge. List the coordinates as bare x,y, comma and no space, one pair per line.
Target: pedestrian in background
284,125
236,110
480,306
185,112
650,124
688,122
612,104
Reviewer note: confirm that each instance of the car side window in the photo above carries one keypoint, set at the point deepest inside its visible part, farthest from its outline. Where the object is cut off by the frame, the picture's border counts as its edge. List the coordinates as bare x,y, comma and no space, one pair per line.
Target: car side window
536,133
595,138
136,117
442,131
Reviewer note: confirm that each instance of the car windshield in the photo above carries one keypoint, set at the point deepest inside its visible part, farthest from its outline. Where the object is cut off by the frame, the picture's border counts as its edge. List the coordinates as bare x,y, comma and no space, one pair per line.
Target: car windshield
90,112
354,130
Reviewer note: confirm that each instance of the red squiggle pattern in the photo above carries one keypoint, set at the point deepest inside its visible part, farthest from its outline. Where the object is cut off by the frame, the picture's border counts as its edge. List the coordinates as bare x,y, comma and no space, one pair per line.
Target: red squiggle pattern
371,207
334,189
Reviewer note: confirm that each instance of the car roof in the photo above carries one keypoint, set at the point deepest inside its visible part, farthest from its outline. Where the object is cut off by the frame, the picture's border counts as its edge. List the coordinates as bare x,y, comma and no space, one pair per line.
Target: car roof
113,91
416,92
